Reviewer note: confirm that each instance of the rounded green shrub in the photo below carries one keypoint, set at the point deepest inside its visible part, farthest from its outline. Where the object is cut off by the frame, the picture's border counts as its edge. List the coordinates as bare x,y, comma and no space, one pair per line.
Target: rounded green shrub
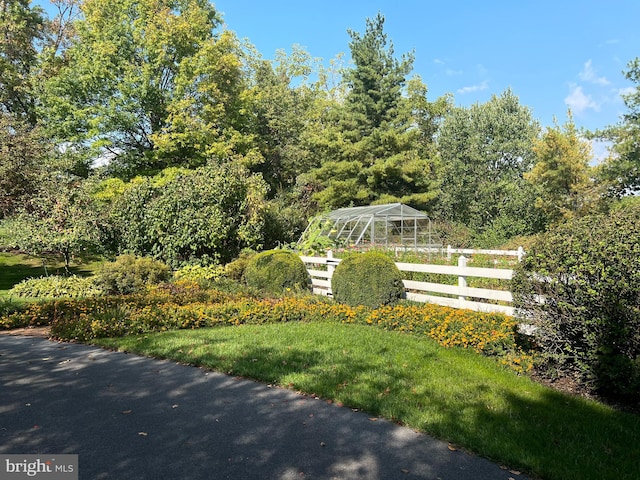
235,270
370,279
55,286
129,273
578,286
276,271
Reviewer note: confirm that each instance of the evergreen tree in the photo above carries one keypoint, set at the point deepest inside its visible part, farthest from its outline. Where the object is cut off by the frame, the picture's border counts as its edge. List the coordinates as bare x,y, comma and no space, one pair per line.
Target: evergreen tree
376,142
620,173
562,173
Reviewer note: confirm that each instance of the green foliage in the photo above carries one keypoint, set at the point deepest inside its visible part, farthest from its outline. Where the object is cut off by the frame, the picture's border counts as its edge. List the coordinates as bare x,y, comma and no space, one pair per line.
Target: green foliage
370,279
285,220
485,150
21,28
56,286
620,173
378,146
62,220
277,272
23,151
562,173
206,215
203,276
587,272
315,239
120,79
129,274
281,100
234,270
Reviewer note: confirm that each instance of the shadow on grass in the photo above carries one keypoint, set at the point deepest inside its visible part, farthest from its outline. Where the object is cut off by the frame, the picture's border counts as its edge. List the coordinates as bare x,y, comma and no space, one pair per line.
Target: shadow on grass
536,429
17,267
132,417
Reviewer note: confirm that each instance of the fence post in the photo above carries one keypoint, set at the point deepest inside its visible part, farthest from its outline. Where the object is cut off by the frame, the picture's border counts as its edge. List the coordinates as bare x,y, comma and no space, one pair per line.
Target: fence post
520,253
449,252
462,280
330,266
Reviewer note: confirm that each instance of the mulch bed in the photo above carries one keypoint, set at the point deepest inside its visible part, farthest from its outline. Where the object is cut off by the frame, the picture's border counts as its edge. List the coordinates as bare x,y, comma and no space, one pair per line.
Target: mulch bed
28,332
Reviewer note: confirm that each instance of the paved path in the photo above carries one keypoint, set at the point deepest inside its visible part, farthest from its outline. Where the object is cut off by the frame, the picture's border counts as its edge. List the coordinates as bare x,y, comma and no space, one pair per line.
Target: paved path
129,417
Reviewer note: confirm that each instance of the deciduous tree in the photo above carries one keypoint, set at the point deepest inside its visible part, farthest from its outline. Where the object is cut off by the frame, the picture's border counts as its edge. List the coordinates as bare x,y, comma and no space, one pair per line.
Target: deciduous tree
21,28
118,86
485,151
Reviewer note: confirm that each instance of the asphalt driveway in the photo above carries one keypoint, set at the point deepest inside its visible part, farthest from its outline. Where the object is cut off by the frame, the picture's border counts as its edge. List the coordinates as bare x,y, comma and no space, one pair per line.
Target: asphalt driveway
129,417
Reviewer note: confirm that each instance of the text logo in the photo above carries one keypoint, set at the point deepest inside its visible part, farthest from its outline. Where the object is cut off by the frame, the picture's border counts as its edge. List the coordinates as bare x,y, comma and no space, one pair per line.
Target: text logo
49,467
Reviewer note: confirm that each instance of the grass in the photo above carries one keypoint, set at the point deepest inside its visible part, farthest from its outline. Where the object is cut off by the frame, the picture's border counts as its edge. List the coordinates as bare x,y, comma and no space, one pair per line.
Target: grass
16,267
453,394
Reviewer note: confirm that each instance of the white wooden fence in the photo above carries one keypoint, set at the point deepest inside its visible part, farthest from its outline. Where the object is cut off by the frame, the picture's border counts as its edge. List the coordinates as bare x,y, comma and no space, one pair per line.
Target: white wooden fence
460,296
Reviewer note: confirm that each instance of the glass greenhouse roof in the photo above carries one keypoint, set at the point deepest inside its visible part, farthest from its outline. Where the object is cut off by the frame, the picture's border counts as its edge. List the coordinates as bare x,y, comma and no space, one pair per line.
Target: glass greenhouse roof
389,225
389,209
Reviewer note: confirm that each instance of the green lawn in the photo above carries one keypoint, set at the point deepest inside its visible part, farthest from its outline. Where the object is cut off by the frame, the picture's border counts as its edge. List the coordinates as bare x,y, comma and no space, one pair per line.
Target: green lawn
16,267
453,394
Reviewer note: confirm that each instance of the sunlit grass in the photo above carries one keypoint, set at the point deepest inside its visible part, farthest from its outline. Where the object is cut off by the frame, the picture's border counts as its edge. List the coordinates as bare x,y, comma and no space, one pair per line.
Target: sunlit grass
451,393
16,267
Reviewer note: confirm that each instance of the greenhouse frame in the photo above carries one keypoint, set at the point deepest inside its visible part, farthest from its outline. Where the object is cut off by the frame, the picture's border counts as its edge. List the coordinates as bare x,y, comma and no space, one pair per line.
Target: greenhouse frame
389,225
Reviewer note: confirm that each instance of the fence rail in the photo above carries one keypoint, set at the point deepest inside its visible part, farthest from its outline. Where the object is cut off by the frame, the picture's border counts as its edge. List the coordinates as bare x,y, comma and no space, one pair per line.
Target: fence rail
457,296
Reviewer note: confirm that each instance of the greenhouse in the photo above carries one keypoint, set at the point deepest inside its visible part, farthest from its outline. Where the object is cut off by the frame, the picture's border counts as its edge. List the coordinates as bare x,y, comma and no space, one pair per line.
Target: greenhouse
390,225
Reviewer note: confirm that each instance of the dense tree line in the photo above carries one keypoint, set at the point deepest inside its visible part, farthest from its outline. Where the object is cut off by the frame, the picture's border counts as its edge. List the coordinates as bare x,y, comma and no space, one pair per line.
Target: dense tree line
172,137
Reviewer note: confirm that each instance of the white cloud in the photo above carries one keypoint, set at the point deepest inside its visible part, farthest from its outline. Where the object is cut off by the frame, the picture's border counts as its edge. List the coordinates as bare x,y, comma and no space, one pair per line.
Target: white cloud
578,101
438,61
474,88
450,72
626,91
600,151
588,74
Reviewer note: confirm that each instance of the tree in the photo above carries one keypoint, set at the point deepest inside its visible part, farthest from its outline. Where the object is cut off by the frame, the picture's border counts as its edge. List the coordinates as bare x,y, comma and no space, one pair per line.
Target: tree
562,172
281,98
485,150
21,28
22,164
117,87
620,173
375,145
63,221
375,84
208,113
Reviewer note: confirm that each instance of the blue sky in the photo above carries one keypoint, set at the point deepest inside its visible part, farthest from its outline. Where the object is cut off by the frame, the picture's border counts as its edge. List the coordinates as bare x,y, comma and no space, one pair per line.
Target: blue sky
552,54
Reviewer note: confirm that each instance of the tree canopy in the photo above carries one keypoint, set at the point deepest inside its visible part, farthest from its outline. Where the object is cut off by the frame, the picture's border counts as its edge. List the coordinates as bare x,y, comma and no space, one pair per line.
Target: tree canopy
163,120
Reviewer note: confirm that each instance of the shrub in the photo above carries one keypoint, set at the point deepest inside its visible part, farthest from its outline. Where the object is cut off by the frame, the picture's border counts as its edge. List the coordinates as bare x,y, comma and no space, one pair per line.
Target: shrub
203,215
235,270
587,273
370,279
205,277
56,286
129,274
276,271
